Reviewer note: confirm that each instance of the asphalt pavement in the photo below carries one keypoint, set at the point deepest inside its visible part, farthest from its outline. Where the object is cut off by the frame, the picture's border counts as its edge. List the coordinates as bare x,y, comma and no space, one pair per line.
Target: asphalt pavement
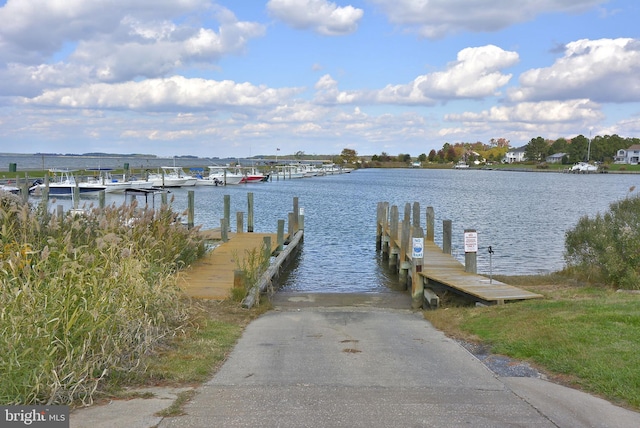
326,360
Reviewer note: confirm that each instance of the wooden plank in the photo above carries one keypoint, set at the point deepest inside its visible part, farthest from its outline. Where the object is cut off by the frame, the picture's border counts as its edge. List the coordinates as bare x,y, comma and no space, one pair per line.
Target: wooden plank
212,276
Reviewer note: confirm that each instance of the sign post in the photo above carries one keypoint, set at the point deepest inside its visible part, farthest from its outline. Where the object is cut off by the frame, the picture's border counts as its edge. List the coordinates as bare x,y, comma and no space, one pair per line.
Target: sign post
417,257
471,251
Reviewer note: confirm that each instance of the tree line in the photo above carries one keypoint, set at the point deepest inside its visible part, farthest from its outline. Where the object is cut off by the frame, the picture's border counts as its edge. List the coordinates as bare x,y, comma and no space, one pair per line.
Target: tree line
576,149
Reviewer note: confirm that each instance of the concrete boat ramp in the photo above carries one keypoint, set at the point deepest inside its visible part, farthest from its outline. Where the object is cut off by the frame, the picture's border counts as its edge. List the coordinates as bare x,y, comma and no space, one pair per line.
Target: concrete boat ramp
361,360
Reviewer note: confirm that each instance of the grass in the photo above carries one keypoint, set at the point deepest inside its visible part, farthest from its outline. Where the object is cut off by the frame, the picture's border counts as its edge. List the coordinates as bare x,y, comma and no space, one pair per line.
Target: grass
580,335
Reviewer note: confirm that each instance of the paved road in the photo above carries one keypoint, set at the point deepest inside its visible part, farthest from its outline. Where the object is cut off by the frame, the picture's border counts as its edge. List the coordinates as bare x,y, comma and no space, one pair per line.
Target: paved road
360,361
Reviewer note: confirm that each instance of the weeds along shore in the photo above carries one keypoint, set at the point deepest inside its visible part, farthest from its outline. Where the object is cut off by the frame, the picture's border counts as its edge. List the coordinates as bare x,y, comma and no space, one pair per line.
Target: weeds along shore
84,298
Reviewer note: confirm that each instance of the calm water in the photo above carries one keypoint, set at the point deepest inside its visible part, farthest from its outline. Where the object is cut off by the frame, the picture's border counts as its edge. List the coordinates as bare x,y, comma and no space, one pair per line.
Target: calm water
522,215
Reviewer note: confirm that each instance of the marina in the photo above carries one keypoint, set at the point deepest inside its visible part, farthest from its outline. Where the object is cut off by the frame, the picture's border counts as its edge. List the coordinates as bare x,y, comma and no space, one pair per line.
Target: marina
523,216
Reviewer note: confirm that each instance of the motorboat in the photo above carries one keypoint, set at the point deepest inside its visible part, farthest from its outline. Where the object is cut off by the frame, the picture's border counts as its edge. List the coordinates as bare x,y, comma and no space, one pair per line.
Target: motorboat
461,165
224,175
252,175
171,176
583,168
62,182
104,178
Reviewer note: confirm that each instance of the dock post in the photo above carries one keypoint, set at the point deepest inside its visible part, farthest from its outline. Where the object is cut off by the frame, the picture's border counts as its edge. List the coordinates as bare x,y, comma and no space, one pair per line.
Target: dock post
416,215
101,199
296,213
250,212
227,210
431,223
379,229
163,199
239,222
393,237
224,229
76,196
404,263
60,211
417,282
267,249
191,208
280,235
290,228
470,251
446,236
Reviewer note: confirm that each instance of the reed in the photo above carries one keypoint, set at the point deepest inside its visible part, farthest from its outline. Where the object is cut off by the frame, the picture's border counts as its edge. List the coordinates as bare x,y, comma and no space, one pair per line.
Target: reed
84,297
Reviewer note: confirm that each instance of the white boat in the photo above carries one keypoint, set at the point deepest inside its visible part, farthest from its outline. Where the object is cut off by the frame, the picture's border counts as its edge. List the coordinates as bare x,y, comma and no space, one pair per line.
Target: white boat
221,174
171,176
63,183
584,168
11,189
106,180
287,172
461,165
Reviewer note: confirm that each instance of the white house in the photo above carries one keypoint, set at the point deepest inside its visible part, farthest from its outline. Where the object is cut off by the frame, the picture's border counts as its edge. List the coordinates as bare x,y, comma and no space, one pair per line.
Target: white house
629,156
515,155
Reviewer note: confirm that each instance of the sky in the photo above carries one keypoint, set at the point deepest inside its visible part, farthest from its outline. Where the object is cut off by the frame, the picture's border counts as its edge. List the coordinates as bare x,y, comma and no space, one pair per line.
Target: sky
241,78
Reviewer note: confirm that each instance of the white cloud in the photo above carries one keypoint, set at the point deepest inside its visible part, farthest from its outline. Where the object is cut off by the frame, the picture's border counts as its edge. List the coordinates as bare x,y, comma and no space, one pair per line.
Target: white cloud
475,74
535,113
604,70
158,94
437,18
321,16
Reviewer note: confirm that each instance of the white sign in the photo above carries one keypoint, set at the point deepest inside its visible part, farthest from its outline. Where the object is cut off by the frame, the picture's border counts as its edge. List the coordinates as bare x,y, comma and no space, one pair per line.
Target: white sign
418,248
471,242
301,211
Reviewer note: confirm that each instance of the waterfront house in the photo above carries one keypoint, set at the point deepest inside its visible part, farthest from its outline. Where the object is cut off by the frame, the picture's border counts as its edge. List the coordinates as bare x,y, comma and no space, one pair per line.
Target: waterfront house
630,156
515,155
555,158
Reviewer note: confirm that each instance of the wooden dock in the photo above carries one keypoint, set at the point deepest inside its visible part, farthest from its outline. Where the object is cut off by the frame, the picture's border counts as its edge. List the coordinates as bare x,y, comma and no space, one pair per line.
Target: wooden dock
212,277
437,270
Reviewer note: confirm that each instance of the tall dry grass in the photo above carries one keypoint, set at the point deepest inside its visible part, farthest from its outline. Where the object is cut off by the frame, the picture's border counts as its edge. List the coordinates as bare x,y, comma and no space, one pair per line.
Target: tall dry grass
84,297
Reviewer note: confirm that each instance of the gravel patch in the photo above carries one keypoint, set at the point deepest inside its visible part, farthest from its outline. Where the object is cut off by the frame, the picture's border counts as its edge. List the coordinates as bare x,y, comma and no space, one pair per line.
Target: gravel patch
499,364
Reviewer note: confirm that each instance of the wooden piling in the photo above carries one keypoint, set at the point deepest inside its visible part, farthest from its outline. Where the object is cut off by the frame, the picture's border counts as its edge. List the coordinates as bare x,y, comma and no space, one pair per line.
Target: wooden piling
431,222
417,281
250,212
190,208
296,214
280,235
393,238
239,222
446,236
471,256
227,210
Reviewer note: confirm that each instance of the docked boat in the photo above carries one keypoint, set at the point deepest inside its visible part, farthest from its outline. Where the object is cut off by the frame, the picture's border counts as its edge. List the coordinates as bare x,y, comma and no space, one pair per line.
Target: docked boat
583,168
62,183
171,176
104,178
252,175
221,175
461,165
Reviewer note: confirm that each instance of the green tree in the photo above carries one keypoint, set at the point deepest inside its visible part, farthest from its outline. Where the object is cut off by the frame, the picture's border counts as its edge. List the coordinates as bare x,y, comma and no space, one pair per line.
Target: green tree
349,155
433,155
422,157
536,150
578,149
558,146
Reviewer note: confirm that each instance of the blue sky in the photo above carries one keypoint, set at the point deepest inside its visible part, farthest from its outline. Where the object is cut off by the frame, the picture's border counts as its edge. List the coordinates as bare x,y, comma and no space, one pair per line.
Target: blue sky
235,78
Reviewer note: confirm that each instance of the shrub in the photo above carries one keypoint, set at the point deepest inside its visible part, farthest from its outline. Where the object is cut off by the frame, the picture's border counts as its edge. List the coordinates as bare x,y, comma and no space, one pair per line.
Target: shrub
606,248
85,296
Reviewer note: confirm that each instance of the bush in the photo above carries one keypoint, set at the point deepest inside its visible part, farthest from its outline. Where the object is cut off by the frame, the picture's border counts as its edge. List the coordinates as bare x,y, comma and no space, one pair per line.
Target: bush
85,296
607,248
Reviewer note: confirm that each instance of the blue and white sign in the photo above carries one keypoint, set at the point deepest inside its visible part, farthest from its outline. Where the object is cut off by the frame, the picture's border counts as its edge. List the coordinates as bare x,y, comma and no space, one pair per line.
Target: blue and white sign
418,248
